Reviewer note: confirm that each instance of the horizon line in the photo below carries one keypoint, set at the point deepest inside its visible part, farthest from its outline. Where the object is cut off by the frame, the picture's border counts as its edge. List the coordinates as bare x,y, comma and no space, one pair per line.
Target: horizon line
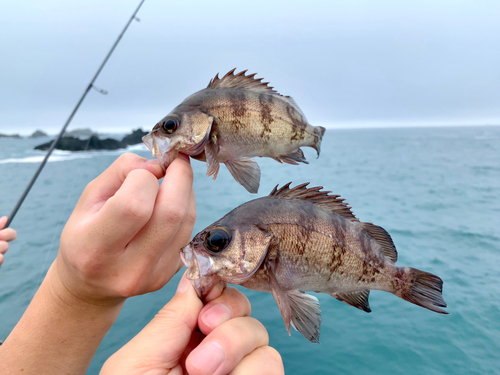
343,126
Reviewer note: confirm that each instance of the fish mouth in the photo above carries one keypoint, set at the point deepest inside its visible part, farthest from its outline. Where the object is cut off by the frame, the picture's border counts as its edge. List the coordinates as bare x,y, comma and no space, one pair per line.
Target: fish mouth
199,271
161,148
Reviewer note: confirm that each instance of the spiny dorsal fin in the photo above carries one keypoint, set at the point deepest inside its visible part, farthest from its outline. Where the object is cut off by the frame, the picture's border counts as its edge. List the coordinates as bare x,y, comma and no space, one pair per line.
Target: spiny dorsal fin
384,239
316,196
240,80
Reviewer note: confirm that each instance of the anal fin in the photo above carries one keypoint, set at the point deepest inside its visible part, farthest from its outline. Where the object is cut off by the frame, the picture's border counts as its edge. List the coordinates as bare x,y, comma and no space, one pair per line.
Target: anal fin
293,158
246,172
357,299
298,309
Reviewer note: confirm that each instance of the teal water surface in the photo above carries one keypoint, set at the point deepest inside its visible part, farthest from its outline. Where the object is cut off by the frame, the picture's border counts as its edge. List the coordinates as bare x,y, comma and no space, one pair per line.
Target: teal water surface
435,190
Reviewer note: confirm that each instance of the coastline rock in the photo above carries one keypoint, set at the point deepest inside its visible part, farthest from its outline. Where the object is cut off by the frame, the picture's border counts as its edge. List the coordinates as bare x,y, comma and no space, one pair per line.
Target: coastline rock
76,144
83,132
38,134
17,136
69,143
134,138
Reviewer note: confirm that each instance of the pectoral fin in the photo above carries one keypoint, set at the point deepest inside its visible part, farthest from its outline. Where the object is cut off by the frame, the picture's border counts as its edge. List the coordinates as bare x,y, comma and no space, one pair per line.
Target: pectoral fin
211,151
246,172
357,299
299,310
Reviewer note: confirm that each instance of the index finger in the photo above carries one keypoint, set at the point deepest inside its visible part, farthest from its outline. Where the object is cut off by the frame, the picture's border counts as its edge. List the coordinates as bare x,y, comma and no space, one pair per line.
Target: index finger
108,182
171,207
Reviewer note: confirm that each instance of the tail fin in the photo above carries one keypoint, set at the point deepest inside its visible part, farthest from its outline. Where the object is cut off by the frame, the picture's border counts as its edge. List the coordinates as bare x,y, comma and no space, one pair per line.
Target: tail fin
318,132
423,289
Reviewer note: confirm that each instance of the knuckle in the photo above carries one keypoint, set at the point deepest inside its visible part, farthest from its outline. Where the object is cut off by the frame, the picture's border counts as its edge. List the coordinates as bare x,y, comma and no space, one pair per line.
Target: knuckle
239,329
175,212
128,157
238,301
136,209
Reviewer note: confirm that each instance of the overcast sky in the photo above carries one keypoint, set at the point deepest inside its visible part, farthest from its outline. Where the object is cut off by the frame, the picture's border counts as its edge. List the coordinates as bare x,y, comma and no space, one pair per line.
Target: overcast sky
346,63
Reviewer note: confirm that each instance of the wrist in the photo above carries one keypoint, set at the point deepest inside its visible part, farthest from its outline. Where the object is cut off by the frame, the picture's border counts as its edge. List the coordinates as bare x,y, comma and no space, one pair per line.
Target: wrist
68,299
59,332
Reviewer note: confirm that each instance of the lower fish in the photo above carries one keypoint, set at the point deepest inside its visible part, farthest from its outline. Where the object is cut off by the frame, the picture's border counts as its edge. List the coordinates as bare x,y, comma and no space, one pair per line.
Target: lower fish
304,239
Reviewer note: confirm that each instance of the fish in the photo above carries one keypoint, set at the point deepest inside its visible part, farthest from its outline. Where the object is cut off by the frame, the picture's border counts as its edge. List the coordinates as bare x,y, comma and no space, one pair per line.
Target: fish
234,119
299,240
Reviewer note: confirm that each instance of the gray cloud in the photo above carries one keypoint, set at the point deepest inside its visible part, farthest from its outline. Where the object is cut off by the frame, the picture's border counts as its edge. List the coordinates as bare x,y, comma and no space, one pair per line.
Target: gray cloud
345,63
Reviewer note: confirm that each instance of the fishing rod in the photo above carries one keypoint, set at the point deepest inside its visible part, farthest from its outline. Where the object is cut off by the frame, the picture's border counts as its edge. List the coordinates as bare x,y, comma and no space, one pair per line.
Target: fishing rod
56,141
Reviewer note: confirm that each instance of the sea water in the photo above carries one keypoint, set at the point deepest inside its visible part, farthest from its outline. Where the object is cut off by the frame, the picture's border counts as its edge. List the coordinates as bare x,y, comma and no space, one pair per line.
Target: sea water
435,190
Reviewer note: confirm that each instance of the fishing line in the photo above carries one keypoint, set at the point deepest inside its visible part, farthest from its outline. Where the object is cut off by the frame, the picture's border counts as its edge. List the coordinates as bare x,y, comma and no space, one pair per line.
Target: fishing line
56,141
42,272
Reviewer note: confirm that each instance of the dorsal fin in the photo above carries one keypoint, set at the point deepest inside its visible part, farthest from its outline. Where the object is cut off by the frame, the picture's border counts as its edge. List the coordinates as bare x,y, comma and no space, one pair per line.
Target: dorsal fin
240,80
294,104
384,239
337,205
316,196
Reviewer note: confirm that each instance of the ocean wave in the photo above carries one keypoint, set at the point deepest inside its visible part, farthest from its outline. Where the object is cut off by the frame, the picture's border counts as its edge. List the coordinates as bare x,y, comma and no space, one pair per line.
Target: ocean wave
62,155
39,158
61,152
137,147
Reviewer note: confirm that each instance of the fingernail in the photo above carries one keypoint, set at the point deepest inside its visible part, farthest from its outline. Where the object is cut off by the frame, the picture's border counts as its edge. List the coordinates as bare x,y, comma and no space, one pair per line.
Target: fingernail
207,358
183,285
151,161
216,315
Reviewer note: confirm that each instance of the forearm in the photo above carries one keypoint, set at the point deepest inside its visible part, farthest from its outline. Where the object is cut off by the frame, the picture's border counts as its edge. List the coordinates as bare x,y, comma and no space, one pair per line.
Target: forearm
58,333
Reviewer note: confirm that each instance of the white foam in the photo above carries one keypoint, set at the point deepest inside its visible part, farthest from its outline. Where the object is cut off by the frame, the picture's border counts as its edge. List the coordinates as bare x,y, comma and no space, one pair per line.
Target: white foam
39,159
137,147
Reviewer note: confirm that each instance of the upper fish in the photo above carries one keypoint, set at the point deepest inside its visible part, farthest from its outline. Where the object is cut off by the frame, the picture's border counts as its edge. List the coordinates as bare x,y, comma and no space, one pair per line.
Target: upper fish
303,239
236,118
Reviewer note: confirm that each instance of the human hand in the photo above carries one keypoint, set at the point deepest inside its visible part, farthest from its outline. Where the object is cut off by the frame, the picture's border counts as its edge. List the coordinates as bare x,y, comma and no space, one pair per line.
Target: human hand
124,235
187,337
6,235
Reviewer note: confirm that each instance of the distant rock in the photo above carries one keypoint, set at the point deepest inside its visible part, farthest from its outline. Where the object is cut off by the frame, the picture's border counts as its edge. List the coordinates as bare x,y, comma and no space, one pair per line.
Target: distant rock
134,138
9,135
83,132
94,143
38,134
77,144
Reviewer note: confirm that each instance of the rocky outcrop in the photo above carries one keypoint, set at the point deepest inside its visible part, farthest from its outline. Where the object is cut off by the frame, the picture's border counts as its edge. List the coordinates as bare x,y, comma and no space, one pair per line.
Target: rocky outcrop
38,134
94,143
80,133
9,135
134,138
77,144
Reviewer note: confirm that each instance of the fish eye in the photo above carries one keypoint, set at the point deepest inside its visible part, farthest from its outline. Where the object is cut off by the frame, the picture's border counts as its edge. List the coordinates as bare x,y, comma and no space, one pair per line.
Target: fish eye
170,124
217,239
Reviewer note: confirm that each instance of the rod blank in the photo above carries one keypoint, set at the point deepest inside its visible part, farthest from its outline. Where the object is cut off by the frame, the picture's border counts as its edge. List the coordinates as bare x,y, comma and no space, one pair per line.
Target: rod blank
61,133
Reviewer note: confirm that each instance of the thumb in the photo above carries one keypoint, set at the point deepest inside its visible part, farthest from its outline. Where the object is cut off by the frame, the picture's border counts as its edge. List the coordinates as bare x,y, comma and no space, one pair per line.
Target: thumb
162,342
